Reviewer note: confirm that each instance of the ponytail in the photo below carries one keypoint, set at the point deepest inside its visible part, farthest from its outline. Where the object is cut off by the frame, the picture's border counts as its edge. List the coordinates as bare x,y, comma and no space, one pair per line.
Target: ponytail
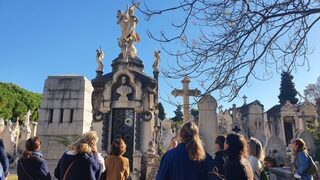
32,144
190,135
26,154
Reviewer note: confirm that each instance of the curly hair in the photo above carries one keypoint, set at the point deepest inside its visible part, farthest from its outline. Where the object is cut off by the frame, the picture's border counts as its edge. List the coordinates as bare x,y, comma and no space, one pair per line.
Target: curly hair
118,147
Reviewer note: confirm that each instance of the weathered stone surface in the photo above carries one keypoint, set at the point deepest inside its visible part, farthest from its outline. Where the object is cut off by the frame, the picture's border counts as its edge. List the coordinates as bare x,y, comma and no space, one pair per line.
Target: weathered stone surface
208,125
71,96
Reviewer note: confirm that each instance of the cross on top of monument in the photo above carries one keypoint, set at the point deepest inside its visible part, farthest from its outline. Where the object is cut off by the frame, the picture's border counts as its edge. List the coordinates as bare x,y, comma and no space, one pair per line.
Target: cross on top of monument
185,92
244,99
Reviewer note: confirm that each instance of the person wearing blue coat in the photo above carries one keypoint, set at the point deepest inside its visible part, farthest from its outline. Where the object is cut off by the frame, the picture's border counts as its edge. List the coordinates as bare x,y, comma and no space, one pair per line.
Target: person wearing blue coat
188,161
32,165
4,162
301,160
82,161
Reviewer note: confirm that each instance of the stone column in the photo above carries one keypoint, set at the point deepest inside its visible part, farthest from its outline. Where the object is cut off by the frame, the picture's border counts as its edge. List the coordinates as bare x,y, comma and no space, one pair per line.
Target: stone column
208,125
136,165
282,132
151,155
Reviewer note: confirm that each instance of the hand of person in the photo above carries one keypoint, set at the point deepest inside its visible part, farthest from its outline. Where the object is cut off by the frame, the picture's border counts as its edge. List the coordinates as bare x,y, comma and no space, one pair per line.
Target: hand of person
94,148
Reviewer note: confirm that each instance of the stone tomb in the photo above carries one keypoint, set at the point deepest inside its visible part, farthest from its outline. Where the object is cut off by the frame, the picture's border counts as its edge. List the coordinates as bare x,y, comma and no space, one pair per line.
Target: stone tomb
124,101
64,114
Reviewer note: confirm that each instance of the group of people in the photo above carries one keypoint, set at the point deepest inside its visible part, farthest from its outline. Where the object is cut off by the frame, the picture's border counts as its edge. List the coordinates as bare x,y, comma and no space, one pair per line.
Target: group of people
81,162
235,159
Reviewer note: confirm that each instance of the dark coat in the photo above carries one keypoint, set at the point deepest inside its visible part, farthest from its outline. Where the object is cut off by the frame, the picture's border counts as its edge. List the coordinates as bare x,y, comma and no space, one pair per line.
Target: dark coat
85,166
32,168
176,165
218,162
238,169
3,160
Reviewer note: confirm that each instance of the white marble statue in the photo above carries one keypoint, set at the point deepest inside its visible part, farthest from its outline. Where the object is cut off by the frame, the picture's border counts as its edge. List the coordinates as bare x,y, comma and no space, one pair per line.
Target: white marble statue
129,36
156,63
99,58
124,90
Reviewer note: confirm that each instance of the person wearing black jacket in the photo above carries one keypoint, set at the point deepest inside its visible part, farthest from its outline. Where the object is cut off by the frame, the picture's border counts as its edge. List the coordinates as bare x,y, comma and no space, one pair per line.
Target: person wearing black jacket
217,165
32,165
237,166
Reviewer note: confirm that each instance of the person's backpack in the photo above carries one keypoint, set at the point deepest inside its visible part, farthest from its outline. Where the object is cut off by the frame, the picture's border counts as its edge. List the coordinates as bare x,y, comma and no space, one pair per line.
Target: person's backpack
312,168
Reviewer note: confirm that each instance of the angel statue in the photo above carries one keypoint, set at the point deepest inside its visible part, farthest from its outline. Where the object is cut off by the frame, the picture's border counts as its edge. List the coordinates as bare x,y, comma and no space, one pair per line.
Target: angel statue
128,22
99,58
156,63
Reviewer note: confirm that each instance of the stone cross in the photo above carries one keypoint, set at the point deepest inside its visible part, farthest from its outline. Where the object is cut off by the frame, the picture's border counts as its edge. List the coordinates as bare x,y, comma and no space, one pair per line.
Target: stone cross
185,93
244,99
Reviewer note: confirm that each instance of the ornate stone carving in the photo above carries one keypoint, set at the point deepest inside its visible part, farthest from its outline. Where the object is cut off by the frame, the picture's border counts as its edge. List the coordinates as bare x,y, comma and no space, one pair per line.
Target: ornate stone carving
156,62
124,90
129,36
105,132
99,58
138,131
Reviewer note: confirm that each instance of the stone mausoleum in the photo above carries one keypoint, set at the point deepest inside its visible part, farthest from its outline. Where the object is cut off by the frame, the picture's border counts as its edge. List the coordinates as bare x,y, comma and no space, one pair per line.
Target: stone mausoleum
125,100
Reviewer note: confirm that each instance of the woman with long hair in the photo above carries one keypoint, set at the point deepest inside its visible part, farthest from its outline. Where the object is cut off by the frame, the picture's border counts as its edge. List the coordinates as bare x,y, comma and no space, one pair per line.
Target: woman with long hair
117,166
256,157
237,166
187,160
32,165
82,161
301,164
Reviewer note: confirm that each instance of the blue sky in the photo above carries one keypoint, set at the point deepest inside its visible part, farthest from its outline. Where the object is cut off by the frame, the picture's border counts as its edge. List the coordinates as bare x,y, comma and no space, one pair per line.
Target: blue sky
40,38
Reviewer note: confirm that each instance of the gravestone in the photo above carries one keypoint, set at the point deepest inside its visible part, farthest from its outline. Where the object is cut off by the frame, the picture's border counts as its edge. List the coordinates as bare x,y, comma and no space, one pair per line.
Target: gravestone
261,137
208,125
276,149
224,122
166,133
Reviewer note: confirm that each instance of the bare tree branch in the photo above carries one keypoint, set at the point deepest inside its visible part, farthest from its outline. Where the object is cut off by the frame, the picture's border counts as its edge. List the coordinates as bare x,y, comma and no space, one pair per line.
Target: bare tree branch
237,40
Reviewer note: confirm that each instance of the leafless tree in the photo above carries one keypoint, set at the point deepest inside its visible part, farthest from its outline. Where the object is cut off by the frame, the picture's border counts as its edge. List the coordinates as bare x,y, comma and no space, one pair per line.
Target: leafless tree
237,40
312,91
